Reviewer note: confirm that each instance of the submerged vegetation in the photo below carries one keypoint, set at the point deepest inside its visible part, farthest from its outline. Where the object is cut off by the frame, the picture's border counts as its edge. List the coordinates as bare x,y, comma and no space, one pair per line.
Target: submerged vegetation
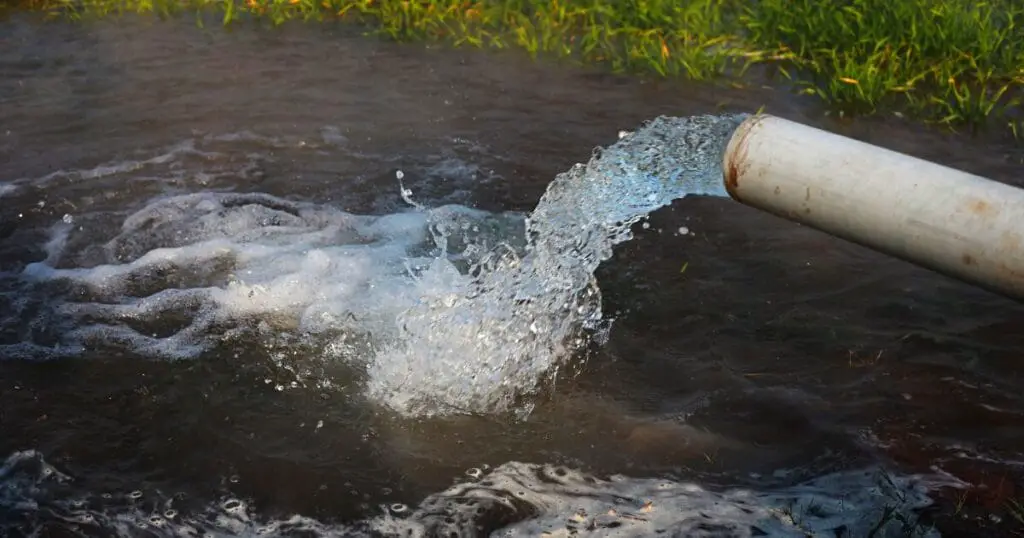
954,62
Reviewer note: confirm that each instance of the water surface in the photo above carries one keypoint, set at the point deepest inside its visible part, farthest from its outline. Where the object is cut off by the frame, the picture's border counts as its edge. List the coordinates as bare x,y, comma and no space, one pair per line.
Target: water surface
778,356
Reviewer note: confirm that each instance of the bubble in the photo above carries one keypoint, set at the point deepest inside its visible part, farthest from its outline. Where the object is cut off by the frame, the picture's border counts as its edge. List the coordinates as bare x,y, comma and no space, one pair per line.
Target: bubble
398,508
135,495
474,473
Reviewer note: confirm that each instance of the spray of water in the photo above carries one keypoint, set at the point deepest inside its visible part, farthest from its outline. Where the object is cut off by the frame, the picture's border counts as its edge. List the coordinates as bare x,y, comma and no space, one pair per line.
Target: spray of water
496,337
447,309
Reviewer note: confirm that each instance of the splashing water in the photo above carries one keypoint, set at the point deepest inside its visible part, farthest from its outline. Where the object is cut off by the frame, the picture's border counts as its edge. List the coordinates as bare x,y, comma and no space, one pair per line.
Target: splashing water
448,309
480,347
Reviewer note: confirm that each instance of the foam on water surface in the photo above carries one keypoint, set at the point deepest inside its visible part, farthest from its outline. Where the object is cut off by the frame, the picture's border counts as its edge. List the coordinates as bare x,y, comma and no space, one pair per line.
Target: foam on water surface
230,262
447,309
514,499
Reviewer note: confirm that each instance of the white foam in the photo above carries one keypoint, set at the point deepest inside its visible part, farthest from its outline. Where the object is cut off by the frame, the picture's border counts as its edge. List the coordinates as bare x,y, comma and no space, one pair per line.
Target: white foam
515,499
227,259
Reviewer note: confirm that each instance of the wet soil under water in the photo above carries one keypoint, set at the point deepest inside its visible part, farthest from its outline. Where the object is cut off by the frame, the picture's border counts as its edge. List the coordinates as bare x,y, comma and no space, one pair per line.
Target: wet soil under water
778,354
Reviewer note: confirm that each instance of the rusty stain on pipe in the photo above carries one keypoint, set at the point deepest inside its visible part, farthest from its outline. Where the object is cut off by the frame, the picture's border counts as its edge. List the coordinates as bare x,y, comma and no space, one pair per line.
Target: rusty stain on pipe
736,153
943,219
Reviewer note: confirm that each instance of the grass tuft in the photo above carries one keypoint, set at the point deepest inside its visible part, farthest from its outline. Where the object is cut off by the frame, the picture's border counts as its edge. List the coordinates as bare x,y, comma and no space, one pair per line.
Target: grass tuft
958,63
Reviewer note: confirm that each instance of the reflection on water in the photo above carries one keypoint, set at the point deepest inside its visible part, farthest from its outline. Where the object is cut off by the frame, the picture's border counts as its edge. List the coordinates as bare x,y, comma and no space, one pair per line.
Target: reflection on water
230,200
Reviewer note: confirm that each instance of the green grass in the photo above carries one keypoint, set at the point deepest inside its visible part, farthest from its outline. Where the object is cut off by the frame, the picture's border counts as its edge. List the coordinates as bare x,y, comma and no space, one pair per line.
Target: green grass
958,63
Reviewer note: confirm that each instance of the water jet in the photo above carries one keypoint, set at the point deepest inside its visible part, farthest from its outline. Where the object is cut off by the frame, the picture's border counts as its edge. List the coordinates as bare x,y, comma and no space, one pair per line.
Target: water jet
946,220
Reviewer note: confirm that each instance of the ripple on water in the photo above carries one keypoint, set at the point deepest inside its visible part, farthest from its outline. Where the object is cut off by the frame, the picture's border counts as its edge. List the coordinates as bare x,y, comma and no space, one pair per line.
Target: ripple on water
514,499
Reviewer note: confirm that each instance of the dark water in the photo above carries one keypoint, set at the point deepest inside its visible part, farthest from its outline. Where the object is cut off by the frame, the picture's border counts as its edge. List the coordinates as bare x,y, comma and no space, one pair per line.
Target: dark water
778,356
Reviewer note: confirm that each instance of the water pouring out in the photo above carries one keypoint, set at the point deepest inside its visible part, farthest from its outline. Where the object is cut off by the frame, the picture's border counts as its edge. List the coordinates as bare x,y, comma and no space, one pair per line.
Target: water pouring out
516,323
446,309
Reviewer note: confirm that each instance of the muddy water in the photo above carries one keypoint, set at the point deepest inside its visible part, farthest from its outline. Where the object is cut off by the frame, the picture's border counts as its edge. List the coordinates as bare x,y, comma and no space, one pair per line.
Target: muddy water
777,356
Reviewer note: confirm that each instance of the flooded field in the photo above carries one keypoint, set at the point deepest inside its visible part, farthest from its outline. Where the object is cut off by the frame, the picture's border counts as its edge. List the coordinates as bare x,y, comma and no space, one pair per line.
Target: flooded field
204,234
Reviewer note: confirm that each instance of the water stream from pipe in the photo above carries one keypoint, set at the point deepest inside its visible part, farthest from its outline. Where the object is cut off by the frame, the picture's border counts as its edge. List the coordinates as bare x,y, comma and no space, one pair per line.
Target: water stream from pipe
479,346
448,309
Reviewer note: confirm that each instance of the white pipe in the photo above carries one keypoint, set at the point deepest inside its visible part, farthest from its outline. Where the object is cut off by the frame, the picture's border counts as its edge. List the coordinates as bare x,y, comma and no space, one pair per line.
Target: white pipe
956,223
